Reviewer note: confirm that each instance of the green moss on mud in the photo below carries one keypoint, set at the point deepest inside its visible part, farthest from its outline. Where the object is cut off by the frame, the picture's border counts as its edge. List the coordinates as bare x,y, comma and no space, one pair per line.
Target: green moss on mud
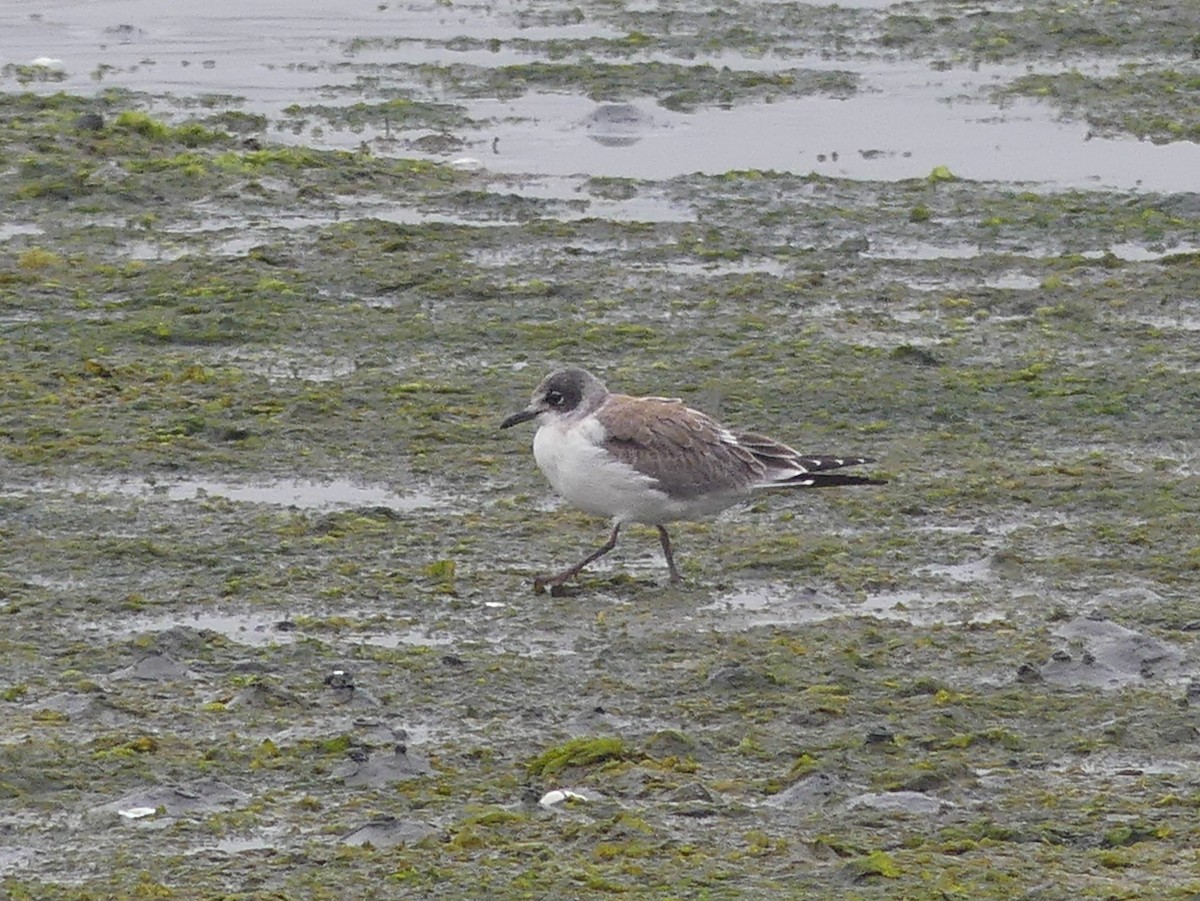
1158,104
578,752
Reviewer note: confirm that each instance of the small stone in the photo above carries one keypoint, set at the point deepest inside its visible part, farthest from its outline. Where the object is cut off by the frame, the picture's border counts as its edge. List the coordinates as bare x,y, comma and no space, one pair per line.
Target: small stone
736,676
691,793
89,122
1028,673
878,735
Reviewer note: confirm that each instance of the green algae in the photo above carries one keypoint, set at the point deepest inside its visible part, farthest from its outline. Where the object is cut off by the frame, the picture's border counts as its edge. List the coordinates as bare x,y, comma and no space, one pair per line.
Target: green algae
676,86
1159,105
578,752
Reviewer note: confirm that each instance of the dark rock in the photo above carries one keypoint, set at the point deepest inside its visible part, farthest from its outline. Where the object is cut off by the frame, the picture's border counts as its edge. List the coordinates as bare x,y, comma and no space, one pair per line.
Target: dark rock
340,679
1028,673
90,122
878,735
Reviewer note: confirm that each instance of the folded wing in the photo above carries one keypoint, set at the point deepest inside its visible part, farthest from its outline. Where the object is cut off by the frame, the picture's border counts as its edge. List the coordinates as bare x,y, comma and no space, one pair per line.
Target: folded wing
689,454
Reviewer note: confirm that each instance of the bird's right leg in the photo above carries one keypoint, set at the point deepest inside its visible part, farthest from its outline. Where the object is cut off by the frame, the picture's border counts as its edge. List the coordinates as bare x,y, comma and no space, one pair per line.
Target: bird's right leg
666,546
541,583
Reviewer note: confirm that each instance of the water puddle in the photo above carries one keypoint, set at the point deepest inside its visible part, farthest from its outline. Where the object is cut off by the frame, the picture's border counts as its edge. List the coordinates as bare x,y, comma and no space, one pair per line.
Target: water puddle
13,858
885,249
1178,322
255,630
900,131
13,229
579,197
497,639
282,364
301,493
239,845
1011,281
778,604
1100,653
356,628
1110,764
405,638
717,268
1133,252
975,571
259,629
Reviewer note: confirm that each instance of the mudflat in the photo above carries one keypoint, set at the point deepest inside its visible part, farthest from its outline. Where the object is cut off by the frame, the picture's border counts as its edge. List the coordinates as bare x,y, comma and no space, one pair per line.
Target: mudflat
271,276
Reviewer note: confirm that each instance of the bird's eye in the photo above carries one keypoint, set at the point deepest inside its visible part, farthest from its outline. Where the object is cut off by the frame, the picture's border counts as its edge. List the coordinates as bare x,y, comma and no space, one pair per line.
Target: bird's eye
554,398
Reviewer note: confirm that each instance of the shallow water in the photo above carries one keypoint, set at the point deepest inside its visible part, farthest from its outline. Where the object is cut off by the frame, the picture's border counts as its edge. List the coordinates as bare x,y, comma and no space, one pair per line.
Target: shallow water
905,120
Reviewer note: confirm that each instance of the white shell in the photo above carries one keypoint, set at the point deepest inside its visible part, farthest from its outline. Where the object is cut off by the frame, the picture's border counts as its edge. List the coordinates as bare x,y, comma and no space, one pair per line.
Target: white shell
137,813
558,795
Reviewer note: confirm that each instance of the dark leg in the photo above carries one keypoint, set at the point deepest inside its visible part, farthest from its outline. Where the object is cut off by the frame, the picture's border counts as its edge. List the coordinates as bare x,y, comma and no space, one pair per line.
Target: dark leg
541,583
666,543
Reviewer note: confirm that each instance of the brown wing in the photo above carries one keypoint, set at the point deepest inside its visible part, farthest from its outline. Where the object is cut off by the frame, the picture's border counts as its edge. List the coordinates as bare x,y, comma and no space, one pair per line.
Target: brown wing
687,453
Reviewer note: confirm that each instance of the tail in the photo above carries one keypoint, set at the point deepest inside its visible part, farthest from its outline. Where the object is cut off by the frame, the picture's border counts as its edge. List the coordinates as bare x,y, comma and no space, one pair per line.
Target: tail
786,468
824,480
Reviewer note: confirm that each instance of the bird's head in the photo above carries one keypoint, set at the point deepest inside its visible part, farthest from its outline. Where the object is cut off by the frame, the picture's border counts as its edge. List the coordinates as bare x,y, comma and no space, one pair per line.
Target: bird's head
561,394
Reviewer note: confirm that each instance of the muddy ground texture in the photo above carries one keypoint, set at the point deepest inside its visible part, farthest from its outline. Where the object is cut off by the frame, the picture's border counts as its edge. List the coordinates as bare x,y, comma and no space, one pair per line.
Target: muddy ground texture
265,560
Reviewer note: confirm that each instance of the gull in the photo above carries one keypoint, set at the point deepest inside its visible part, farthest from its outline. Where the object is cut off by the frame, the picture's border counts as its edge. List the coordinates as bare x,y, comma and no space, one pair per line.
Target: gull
654,460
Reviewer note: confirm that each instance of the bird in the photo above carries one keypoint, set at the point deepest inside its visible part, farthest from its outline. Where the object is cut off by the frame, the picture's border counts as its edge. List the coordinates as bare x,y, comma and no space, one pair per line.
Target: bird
654,460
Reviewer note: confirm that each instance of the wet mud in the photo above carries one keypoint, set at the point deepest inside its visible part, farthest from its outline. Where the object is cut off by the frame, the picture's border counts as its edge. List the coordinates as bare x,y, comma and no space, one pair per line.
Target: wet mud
270,280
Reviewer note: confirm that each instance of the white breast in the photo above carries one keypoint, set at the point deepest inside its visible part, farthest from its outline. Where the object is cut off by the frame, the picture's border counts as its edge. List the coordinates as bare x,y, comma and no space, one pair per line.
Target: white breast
572,458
